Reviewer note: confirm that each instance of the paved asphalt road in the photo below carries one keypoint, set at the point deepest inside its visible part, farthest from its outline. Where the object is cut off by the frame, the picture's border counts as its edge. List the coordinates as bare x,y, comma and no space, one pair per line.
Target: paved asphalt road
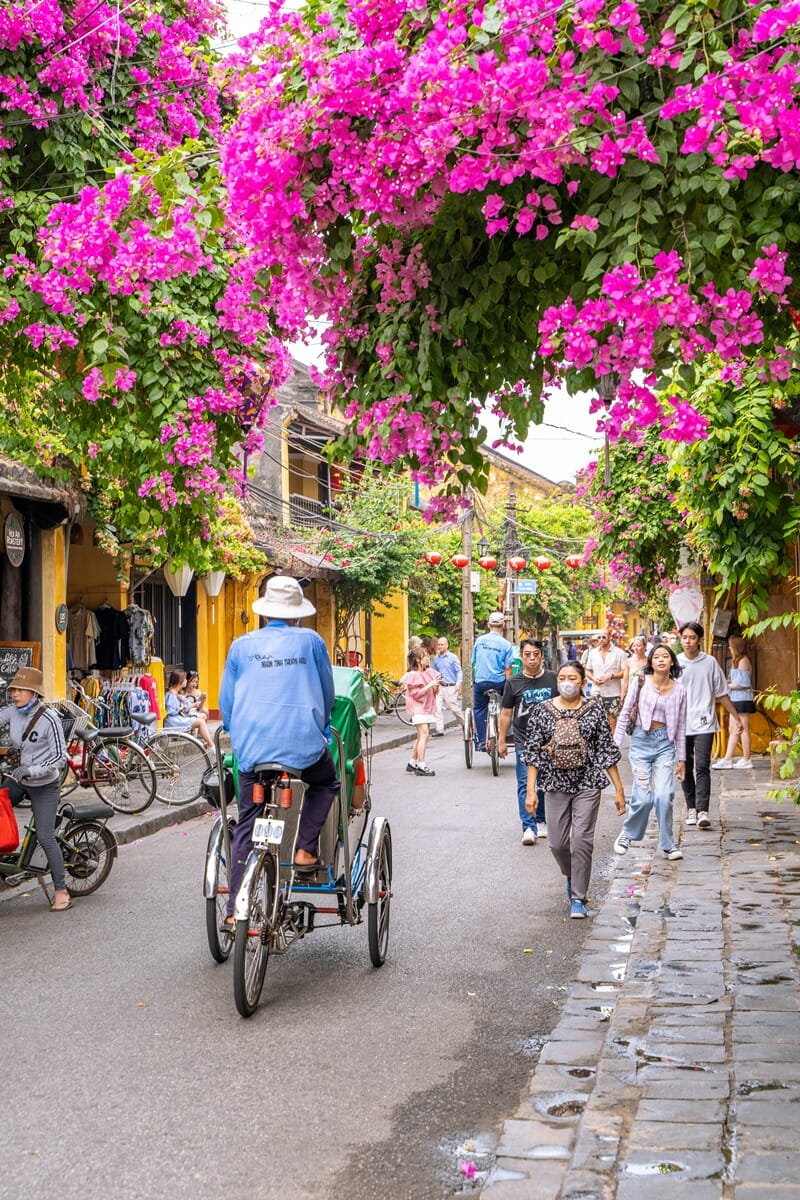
132,1076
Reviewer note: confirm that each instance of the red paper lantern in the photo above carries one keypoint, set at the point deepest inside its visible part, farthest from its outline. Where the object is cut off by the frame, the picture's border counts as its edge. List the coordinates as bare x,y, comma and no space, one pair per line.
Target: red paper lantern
488,562
573,561
460,560
516,563
542,563
433,557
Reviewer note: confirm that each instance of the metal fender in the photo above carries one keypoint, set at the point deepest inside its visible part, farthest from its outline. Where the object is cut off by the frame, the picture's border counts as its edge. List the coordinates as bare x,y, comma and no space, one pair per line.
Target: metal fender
213,853
241,909
379,832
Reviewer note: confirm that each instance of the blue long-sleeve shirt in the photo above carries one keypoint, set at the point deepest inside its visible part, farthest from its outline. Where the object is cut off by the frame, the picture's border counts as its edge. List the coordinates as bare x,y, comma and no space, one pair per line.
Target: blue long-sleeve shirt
277,695
449,668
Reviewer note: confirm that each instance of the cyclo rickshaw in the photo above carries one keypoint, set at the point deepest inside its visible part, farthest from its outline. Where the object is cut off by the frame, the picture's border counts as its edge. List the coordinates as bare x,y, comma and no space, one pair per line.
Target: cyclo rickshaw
276,906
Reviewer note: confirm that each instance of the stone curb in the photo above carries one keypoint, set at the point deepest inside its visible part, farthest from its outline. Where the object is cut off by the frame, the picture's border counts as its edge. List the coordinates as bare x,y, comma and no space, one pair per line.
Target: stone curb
685,1006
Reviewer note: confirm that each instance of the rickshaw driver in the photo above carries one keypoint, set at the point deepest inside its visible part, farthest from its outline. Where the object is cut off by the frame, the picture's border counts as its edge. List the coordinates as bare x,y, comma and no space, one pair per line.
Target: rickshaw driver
276,698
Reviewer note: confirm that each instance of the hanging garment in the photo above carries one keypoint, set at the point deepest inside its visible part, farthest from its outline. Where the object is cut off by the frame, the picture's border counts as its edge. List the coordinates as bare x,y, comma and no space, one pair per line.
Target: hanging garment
81,635
141,630
113,628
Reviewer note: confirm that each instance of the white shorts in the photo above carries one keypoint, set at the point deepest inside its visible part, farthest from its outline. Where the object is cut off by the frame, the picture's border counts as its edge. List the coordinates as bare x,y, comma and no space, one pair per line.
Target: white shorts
423,718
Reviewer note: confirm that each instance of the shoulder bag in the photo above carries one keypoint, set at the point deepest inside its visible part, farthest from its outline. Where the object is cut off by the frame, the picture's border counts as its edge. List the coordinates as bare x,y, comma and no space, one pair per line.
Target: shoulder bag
634,713
12,757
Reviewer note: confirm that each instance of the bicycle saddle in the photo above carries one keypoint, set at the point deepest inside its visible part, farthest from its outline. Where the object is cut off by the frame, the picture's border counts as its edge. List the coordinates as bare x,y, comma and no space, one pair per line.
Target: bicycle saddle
114,733
147,718
98,811
275,768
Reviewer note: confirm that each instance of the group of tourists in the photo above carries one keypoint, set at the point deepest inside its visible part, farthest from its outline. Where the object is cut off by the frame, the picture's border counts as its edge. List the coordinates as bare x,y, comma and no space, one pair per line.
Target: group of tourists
569,727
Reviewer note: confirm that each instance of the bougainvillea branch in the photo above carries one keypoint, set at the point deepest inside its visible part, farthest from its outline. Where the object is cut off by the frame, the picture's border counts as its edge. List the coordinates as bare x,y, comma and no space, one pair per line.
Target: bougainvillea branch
477,194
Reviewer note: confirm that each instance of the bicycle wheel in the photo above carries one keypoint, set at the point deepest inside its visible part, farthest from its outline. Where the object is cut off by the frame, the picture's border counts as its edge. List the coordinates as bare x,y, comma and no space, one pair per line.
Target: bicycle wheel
491,743
122,776
378,913
251,945
179,761
469,737
399,708
220,943
89,851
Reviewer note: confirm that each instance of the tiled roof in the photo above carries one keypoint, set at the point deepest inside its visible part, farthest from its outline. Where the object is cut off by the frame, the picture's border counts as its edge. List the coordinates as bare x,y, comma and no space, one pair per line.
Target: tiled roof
284,552
18,480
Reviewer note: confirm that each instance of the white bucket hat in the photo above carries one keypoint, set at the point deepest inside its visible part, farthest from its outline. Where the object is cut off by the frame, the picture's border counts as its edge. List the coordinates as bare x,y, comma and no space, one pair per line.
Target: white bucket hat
283,597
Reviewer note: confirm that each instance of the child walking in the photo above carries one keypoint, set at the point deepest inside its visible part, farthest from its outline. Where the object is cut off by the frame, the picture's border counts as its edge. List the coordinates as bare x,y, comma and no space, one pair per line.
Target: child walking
421,684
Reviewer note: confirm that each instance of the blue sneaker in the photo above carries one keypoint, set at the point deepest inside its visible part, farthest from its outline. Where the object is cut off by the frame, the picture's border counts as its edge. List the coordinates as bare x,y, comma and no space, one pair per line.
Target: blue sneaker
578,909
569,888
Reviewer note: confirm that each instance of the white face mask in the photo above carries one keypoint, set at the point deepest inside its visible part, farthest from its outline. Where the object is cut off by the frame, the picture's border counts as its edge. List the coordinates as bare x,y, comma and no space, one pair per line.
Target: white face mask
568,689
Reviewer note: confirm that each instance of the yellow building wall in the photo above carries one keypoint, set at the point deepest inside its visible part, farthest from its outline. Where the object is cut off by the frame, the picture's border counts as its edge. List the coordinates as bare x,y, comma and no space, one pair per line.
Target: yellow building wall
93,576
53,660
390,635
324,621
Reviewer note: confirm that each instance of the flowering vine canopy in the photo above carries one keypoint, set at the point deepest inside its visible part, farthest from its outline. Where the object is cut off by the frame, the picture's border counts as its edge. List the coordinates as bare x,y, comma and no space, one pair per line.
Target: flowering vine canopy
476,201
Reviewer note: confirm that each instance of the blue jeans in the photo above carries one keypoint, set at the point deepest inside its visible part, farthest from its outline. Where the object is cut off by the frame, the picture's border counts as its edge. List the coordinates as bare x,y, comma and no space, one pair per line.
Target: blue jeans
652,759
528,821
480,705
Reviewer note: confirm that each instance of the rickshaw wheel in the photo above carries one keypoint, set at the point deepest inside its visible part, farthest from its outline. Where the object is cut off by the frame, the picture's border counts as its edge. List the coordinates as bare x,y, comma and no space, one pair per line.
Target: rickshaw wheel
250,954
494,756
469,737
378,913
219,943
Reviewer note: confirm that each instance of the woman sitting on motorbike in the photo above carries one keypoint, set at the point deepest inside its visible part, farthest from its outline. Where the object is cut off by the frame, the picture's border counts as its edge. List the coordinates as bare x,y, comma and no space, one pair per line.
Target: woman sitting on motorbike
38,739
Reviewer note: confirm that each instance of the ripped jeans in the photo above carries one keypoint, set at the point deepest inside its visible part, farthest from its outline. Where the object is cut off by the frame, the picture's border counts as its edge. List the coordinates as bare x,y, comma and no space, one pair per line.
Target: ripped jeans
652,759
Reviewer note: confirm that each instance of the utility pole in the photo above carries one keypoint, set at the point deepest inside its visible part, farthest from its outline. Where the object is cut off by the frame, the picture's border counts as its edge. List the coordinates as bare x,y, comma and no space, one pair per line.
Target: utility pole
510,543
467,618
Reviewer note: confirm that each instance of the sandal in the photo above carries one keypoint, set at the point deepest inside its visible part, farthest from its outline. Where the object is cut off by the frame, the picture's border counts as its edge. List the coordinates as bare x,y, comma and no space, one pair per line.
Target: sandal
56,907
316,865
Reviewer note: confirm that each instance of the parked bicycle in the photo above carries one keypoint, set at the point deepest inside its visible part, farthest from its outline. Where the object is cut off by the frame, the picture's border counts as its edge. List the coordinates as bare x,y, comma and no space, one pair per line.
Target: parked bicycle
492,732
88,845
178,759
106,760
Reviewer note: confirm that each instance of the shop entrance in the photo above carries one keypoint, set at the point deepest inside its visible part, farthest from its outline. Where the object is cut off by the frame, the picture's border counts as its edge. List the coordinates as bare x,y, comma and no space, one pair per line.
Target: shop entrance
175,640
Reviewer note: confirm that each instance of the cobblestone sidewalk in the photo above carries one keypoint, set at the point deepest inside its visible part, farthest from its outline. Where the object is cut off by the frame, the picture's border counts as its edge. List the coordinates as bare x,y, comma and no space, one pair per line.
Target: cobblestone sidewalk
675,1068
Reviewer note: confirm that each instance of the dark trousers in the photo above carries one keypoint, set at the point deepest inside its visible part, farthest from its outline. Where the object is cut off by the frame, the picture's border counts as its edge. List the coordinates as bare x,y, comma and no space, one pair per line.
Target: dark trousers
322,786
697,784
44,802
480,706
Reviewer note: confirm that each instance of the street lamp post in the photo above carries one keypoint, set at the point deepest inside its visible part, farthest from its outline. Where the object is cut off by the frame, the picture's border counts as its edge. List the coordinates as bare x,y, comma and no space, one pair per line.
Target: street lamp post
607,387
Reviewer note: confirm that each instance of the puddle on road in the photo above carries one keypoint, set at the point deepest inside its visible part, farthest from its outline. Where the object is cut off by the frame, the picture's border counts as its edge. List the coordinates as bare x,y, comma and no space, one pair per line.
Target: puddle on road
750,1089
561,1105
659,1168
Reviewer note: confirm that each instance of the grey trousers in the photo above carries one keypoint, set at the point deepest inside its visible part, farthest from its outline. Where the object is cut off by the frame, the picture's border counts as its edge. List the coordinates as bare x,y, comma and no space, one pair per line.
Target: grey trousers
571,818
44,802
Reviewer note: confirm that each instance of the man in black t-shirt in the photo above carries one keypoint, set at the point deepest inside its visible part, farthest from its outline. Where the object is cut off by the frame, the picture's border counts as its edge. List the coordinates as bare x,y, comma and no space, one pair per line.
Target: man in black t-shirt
520,694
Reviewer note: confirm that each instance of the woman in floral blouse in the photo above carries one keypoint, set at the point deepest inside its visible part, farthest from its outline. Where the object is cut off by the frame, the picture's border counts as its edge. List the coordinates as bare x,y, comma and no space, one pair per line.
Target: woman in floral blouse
572,766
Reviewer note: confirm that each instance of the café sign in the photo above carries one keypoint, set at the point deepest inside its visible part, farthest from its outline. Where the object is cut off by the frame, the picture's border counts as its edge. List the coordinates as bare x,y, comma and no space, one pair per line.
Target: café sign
14,538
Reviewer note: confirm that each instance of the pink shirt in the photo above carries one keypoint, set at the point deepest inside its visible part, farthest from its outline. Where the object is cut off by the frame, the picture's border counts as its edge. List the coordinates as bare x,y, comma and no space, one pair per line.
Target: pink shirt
418,701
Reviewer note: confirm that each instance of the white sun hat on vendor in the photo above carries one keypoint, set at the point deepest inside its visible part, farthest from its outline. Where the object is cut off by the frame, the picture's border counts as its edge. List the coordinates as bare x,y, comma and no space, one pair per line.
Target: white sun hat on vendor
283,597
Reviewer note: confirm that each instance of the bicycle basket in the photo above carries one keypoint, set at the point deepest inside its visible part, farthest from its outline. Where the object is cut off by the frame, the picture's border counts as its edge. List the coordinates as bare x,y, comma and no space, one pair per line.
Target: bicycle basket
209,786
72,718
